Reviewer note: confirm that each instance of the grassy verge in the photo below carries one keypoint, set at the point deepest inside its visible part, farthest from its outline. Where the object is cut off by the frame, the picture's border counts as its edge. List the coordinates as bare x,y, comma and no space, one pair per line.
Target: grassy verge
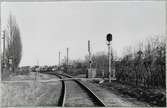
155,97
23,90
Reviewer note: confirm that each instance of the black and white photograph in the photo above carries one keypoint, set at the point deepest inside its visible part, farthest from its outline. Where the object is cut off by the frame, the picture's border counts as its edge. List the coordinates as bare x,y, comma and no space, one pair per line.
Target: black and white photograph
83,53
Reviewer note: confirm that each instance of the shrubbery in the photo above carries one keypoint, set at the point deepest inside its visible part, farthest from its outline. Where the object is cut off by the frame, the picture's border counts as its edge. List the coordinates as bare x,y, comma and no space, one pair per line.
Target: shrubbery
145,67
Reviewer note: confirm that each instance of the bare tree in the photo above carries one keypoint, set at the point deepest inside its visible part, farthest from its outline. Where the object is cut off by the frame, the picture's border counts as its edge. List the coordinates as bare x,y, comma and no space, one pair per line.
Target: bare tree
146,65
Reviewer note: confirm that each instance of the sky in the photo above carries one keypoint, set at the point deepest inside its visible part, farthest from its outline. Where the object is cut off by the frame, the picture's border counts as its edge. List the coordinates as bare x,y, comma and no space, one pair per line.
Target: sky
49,27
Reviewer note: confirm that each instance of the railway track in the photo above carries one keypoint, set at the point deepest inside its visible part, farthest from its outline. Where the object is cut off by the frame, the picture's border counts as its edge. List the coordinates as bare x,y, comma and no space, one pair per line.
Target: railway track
63,92
75,94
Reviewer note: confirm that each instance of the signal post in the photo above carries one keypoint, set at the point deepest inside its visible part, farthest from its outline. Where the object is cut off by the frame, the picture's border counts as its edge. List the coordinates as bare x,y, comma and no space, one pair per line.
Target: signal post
109,39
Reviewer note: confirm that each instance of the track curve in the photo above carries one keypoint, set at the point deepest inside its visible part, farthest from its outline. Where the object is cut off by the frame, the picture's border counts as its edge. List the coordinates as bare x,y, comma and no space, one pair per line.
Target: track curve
75,93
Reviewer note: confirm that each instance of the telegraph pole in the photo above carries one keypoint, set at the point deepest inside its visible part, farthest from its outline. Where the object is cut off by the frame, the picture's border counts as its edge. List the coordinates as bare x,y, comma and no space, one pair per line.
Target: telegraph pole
90,61
59,58
37,70
67,59
113,64
67,56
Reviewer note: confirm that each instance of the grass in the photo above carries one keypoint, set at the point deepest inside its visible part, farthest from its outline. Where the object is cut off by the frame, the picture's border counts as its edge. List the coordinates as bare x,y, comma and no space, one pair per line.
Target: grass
23,90
155,97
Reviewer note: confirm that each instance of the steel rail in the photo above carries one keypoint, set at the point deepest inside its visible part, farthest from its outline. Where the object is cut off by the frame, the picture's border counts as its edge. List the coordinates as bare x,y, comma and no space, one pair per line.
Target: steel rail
86,88
61,101
89,91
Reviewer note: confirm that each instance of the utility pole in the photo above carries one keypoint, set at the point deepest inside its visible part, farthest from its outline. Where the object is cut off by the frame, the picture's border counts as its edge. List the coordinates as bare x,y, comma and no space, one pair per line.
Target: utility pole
37,70
67,56
67,60
113,64
59,58
90,61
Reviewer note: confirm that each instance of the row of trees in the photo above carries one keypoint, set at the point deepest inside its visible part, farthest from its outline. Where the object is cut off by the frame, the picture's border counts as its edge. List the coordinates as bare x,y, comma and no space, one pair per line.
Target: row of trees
13,47
145,66
142,66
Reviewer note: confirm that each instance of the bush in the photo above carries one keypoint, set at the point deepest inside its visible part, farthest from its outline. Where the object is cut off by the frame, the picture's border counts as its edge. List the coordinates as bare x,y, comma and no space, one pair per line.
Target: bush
144,67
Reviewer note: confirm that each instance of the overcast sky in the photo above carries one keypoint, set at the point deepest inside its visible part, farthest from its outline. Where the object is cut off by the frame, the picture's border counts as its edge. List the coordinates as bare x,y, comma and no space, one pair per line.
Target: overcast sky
47,28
